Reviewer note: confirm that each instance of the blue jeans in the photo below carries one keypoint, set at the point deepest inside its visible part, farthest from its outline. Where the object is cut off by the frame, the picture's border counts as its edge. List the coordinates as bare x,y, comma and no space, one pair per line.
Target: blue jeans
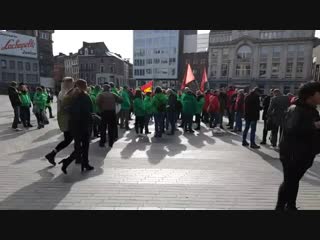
239,121
171,118
253,126
159,123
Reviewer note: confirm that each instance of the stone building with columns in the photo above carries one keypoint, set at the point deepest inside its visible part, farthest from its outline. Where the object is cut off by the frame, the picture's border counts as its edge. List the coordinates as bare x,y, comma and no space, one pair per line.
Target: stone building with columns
264,58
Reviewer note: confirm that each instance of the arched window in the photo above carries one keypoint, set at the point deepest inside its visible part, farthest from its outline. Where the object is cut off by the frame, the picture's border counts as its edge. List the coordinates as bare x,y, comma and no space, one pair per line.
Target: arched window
244,52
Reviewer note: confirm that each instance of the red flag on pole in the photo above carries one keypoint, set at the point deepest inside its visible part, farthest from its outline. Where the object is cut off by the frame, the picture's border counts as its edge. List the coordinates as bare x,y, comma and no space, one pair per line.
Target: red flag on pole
188,77
204,79
147,87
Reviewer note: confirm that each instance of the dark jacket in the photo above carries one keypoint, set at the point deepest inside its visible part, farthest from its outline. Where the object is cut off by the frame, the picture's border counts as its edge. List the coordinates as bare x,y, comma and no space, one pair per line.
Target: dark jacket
223,101
300,140
81,115
252,107
14,97
265,107
277,109
172,102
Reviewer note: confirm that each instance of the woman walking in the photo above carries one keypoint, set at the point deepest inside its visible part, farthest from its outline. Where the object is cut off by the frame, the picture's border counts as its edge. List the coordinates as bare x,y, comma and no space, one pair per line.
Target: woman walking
139,112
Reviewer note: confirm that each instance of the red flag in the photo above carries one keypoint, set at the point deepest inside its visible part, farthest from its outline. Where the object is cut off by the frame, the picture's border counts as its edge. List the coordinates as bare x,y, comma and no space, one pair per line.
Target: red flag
147,87
204,80
188,77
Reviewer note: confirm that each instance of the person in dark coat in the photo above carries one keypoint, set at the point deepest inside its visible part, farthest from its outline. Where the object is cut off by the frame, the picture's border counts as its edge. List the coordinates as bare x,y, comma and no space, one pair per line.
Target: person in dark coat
223,104
265,107
15,103
278,106
299,144
251,116
239,110
81,110
171,110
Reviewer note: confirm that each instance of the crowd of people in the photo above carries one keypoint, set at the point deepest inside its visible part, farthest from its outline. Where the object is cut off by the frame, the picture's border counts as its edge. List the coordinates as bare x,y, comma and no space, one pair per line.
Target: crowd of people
85,112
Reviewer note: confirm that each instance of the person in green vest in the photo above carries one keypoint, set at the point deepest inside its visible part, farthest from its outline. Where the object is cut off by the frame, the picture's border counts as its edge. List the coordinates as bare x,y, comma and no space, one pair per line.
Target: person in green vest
189,108
139,111
200,103
125,107
39,103
49,100
25,106
95,91
159,103
147,102
183,94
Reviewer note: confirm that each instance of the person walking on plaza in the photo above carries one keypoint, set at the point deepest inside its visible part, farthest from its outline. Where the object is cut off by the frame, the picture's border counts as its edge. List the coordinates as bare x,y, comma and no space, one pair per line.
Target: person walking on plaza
278,106
25,106
171,110
80,127
147,102
251,116
15,103
39,106
200,104
139,112
64,101
179,105
299,144
230,113
205,114
95,91
239,110
49,101
266,124
159,103
125,107
106,102
189,108
213,109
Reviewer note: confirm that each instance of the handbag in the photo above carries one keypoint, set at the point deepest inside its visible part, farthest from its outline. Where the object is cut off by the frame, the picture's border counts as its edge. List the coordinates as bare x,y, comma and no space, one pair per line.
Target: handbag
45,118
118,108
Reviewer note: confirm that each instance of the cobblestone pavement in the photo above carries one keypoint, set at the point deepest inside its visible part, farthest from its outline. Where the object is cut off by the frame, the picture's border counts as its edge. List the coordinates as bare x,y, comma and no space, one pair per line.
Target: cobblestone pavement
185,171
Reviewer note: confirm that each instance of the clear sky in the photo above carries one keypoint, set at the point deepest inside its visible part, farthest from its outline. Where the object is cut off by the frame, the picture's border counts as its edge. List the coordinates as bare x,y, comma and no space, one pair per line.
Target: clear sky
118,41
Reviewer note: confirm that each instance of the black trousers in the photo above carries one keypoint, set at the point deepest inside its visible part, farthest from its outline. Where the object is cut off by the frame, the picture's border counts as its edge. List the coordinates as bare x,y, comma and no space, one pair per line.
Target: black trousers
108,119
16,119
205,117
146,122
39,116
293,171
139,124
198,119
274,134
50,111
68,138
265,131
231,116
81,148
25,115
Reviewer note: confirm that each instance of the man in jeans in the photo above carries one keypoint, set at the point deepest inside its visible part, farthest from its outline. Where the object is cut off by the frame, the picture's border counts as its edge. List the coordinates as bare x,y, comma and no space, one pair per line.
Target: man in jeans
251,115
16,103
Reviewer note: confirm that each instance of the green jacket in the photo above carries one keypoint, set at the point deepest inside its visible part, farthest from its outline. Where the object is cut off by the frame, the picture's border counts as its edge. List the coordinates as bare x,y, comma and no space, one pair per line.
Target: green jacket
114,90
159,101
93,96
47,96
138,107
126,100
200,104
40,100
147,102
189,104
25,99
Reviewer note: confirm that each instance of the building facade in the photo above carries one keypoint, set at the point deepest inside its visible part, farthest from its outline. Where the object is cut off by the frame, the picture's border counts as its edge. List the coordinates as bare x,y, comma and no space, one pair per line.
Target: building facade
71,66
58,70
156,55
98,65
264,58
316,64
45,54
19,60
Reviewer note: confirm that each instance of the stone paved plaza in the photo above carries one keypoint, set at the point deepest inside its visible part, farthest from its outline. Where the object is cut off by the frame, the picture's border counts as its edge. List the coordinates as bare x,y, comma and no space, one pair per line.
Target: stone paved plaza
185,171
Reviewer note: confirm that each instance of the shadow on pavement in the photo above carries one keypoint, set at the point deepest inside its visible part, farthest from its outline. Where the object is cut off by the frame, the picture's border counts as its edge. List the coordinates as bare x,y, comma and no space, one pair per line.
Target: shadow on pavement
47,135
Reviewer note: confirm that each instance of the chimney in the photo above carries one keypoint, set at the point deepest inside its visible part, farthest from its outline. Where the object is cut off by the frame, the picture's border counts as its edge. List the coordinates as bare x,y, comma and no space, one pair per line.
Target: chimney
70,54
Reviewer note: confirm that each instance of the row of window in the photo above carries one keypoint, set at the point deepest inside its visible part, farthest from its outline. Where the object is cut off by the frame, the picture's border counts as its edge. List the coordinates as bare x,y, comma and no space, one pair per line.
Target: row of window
156,42
9,77
155,51
244,70
12,65
148,61
220,38
195,61
155,71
